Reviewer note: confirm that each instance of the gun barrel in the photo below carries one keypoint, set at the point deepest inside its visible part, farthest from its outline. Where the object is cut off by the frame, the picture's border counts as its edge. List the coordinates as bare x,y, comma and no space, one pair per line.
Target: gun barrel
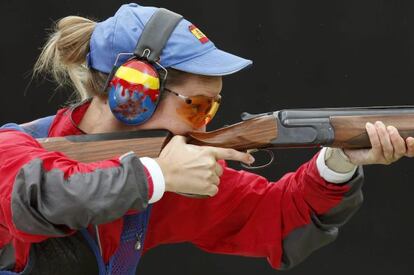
338,127
294,115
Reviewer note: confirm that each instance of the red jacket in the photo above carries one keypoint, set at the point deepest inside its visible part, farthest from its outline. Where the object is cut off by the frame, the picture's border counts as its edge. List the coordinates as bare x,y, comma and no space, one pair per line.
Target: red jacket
45,195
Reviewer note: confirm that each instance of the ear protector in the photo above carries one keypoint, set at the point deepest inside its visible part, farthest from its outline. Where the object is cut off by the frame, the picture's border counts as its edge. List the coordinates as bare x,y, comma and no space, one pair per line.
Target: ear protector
134,88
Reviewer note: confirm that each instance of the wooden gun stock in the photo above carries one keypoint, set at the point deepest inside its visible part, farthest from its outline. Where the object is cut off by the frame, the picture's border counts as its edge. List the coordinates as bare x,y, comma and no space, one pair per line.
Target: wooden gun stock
96,147
334,127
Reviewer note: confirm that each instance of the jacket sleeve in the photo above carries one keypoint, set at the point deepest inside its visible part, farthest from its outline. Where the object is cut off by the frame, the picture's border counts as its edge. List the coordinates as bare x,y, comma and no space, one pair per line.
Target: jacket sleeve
45,194
283,221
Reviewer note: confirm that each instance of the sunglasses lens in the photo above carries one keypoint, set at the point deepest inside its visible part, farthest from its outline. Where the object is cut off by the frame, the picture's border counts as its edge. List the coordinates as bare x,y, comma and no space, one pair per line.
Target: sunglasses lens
200,111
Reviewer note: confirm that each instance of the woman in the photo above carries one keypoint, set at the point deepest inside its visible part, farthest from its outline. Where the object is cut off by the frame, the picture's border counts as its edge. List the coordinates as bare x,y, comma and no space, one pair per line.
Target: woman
59,216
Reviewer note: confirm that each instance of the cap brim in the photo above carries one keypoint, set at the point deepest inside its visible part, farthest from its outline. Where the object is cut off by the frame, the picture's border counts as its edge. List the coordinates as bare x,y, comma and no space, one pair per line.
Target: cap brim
214,63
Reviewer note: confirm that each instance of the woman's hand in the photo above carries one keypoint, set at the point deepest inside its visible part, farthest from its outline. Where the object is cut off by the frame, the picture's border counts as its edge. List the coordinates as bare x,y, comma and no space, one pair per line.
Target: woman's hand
191,169
387,146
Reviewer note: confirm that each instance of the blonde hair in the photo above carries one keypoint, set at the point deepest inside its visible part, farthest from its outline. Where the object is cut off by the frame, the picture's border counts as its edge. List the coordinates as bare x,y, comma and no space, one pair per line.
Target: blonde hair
63,57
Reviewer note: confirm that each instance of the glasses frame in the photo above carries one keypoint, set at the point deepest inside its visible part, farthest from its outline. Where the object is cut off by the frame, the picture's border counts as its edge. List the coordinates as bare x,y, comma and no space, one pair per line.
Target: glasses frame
188,100
216,100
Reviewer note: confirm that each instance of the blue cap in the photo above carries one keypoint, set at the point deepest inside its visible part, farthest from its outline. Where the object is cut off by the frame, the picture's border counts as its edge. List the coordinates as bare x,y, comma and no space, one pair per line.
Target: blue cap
187,49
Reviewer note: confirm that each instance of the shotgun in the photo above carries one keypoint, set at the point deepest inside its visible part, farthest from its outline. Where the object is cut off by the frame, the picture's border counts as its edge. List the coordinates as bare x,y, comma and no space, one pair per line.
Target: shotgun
292,128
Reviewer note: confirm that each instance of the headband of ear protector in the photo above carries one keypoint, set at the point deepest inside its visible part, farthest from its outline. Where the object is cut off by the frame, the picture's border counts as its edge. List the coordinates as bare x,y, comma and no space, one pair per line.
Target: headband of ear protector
135,86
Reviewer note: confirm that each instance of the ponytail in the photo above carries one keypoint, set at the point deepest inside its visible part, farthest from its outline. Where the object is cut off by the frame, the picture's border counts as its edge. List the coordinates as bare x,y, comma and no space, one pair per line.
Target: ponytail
64,57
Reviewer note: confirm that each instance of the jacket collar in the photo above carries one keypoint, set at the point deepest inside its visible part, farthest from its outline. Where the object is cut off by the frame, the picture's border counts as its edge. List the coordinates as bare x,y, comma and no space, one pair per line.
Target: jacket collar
67,120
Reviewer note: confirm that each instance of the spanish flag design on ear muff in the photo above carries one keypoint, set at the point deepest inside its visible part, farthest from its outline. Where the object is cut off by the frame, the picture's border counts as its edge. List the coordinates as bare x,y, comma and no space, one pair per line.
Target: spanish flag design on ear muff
134,88
134,92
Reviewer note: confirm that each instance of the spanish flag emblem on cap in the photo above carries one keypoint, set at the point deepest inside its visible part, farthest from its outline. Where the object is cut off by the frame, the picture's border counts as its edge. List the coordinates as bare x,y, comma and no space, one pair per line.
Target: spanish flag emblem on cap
198,34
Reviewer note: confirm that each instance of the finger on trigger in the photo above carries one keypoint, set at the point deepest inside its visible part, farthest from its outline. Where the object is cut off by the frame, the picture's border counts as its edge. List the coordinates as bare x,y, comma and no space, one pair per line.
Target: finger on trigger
231,154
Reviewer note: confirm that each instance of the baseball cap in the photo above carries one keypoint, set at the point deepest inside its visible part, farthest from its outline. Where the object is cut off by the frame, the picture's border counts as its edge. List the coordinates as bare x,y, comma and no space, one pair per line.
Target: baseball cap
187,49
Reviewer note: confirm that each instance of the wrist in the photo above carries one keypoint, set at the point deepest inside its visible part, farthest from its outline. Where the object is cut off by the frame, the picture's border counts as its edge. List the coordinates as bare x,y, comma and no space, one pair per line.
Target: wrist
164,169
338,161
337,173
157,176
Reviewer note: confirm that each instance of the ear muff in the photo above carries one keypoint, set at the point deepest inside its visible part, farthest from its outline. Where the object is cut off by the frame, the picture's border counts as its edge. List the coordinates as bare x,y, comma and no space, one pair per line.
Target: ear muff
134,92
134,87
